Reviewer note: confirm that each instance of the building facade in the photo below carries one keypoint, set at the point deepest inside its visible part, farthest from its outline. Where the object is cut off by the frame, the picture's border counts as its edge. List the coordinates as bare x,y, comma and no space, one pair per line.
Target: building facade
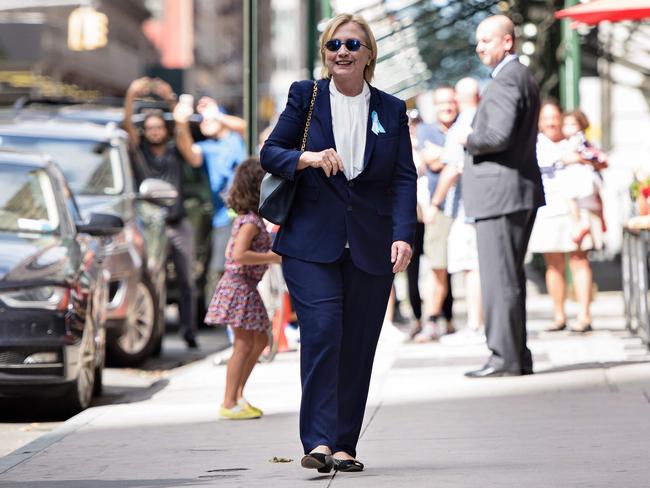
35,58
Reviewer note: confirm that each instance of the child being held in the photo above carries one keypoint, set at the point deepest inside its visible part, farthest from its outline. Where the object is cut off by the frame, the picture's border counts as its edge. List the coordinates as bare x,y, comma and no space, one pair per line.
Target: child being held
583,176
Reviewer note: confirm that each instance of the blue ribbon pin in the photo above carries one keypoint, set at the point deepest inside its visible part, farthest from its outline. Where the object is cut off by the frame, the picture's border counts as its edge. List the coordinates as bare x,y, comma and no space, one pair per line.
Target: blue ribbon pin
377,128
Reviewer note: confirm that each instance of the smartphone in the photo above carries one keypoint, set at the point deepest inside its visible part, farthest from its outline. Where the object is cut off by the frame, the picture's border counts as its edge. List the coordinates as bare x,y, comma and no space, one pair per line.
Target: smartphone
186,99
212,112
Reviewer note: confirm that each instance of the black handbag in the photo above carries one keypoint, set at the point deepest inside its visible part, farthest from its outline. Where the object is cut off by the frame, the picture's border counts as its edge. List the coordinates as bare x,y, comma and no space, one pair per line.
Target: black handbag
276,193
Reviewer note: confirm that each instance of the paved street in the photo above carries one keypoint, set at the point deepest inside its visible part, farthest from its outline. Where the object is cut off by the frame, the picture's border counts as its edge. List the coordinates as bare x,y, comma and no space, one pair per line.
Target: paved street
22,422
579,421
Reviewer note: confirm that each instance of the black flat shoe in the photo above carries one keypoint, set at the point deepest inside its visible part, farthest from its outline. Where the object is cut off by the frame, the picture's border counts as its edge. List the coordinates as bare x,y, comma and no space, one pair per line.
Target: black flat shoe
190,340
347,465
323,463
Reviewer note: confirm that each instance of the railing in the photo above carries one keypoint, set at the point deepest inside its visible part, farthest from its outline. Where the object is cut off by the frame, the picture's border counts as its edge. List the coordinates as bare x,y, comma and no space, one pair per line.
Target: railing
635,281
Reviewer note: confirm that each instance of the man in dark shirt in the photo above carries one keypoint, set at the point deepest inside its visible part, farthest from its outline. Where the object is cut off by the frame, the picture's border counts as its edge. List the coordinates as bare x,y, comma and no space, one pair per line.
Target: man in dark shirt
164,161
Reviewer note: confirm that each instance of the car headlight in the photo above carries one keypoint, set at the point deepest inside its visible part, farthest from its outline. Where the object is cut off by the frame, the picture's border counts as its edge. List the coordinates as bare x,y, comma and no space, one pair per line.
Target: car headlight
47,297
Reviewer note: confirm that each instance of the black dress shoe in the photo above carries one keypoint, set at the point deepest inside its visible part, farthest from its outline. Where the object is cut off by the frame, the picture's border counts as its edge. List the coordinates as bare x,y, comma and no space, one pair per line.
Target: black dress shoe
347,465
190,340
319,461
490,371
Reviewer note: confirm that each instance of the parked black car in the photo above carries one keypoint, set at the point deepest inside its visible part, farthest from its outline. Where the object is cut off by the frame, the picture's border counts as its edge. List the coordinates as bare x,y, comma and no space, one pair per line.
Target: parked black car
53,285
96,162
197,195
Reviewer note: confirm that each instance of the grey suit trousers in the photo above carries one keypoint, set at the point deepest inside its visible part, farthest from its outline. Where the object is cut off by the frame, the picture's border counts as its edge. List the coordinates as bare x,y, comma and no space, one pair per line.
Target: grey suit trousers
502,243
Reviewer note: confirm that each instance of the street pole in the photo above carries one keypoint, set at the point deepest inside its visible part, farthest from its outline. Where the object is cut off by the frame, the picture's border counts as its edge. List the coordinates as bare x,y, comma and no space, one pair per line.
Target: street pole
325,9
570,67
250,74
604,73
311,37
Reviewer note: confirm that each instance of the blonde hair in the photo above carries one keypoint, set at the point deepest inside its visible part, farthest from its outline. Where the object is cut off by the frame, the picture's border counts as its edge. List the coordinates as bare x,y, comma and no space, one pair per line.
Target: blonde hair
330,28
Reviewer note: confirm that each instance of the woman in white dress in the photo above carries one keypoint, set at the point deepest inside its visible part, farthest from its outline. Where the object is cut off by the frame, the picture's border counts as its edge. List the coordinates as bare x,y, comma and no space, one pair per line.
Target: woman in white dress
553,231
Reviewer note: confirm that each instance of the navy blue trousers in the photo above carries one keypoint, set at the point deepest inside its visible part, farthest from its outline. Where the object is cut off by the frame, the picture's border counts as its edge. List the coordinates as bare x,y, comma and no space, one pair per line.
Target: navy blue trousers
340,309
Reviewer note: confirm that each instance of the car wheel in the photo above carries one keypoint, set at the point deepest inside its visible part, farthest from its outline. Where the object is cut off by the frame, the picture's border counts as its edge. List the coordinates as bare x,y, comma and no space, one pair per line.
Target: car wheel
140,329
81,393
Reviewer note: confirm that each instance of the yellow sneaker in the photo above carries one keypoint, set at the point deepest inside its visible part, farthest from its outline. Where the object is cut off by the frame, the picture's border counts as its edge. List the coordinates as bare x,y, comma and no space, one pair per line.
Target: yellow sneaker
243,403
238,413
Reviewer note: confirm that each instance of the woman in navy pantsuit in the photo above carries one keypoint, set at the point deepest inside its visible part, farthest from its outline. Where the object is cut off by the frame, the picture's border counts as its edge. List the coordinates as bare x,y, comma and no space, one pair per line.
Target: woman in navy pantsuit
350,229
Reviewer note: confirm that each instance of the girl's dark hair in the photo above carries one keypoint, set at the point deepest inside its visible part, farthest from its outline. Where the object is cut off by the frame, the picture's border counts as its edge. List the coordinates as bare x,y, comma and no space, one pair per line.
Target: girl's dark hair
244,193
580,118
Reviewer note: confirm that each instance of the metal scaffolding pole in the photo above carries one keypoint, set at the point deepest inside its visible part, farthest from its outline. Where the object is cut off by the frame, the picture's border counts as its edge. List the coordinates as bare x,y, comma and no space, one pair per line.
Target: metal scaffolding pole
312,37
325,9
570,68
250,74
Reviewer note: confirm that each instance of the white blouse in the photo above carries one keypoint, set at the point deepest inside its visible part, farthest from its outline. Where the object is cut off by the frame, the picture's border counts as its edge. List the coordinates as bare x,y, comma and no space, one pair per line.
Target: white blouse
350,123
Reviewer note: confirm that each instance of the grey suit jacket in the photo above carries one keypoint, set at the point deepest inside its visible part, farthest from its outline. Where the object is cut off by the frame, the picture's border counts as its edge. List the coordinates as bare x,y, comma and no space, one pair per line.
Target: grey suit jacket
501,175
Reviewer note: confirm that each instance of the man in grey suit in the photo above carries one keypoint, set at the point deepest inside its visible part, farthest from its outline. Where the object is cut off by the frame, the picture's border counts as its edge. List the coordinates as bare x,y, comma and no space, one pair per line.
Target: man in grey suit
502,187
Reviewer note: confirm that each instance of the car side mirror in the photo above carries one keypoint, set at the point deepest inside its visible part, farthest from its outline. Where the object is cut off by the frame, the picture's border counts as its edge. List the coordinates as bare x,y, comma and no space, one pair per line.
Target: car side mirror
99,224
158,192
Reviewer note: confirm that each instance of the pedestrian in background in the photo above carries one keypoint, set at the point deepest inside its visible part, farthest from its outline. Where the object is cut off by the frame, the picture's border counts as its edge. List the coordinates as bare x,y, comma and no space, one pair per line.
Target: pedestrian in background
502,188
431,140
555,227
462,252
413,270
350,229
236,303
219,153
584,178
164,161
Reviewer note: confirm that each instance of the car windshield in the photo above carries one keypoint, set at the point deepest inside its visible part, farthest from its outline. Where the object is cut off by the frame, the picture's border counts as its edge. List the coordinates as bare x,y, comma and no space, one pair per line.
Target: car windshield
91,167
27,202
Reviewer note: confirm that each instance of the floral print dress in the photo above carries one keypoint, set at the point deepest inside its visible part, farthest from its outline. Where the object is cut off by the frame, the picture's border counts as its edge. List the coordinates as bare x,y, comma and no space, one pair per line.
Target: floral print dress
236,301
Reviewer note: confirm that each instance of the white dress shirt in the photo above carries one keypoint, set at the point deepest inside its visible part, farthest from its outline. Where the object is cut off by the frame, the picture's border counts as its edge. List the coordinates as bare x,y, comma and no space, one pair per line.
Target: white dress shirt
350,123
504,61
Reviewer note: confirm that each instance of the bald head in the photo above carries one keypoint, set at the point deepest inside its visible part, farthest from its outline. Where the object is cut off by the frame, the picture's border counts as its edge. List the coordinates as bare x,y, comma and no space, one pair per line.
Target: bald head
495,38
500,24
467,93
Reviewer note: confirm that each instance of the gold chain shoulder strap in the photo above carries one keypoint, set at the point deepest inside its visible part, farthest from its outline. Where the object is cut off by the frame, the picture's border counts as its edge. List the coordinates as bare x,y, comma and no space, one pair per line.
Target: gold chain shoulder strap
308,123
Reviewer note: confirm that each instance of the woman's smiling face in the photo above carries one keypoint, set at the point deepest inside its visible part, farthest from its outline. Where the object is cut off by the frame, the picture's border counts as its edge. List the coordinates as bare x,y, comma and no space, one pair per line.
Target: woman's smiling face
346,64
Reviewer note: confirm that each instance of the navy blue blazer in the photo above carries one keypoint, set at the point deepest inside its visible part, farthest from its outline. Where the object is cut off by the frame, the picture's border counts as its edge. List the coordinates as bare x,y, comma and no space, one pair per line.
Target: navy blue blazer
369,212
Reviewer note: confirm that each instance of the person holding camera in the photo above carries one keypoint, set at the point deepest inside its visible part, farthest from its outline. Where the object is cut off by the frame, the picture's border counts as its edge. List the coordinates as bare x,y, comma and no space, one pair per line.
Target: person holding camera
163,160
219,153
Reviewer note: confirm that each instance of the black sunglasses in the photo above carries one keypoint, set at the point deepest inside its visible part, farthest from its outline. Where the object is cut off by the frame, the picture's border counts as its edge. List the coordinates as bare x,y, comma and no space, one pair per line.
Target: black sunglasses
351,45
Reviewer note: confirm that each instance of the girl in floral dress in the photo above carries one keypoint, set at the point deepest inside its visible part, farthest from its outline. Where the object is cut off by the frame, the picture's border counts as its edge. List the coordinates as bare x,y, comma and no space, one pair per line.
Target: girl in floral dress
236,302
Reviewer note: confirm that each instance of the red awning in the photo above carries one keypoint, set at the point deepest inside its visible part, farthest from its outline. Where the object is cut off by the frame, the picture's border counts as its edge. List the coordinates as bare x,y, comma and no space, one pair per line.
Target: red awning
612,10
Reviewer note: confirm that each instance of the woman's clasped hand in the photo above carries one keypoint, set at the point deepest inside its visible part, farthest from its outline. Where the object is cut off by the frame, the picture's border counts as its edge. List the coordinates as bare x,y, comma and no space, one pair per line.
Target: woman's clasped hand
328,160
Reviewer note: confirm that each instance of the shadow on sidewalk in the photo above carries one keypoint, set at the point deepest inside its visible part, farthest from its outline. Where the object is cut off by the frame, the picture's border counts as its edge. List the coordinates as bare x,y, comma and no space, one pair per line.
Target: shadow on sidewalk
175,352
27,409
129,394
587,366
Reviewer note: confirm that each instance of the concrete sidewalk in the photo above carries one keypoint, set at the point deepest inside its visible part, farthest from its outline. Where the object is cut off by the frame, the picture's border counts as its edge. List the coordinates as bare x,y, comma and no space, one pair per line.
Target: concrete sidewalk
580,421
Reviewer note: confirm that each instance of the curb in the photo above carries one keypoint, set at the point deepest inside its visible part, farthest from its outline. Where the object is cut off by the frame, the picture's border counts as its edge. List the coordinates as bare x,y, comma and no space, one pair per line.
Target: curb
75,423
37,446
